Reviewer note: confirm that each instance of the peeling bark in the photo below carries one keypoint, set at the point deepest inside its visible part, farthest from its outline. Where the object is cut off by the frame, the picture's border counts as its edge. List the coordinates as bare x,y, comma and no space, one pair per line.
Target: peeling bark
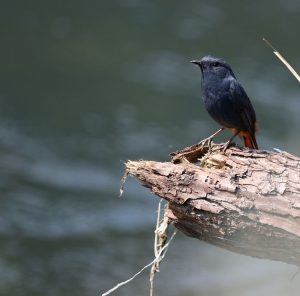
246,201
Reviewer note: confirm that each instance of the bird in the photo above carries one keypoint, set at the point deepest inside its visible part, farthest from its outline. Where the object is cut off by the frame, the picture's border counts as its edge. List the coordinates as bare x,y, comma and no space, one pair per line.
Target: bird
226,101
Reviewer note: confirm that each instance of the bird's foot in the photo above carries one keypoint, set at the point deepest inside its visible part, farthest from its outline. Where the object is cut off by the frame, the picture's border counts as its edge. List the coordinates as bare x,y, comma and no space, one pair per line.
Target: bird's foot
206,143
225,146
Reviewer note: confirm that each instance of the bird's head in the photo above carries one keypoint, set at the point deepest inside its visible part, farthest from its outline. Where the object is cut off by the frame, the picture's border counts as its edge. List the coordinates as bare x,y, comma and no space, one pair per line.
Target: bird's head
210,65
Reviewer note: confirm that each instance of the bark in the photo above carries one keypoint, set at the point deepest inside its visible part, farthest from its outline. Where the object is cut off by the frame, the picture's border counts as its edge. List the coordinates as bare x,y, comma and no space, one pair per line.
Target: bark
246,201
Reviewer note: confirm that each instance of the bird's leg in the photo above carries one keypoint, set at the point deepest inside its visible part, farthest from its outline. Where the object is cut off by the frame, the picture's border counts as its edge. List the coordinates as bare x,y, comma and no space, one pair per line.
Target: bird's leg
226,145
207,141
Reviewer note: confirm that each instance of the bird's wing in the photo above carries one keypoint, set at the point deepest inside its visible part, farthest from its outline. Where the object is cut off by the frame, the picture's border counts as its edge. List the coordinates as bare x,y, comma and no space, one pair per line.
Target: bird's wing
243,106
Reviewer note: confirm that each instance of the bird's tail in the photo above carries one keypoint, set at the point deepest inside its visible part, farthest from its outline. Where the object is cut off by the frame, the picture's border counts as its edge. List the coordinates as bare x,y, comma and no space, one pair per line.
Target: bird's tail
250,141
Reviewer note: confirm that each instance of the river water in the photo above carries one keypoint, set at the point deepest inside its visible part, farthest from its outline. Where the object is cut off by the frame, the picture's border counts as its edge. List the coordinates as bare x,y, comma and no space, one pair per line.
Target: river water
86,86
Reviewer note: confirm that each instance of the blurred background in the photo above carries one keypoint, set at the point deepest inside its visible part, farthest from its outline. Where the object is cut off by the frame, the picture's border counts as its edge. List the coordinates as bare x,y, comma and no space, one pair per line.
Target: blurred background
85,86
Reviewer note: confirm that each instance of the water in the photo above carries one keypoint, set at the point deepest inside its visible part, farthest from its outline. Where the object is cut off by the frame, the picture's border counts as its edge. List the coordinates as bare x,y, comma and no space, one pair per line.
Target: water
86,86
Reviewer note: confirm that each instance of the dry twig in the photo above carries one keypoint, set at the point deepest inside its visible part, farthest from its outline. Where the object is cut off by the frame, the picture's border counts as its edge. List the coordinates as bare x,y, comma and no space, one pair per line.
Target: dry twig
283,60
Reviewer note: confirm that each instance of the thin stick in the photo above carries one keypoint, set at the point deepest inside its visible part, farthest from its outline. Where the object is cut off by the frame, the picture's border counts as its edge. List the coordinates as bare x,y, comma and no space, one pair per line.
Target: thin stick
157,226
156,252
283,60
161,255
160,240
126,173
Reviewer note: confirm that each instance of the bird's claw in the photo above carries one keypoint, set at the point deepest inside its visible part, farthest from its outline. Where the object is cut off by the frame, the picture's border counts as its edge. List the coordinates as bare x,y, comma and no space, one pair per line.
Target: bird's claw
225,146
206,143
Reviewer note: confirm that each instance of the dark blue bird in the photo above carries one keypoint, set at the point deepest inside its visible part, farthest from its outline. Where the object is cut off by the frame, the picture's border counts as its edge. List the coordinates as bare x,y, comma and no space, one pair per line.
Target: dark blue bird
226,100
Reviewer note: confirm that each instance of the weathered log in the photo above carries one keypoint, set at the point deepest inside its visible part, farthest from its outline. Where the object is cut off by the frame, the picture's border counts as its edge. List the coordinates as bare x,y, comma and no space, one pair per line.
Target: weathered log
246,201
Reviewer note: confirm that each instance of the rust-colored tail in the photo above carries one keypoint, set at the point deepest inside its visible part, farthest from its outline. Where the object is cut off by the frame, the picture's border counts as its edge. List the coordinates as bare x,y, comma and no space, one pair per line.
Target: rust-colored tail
250,141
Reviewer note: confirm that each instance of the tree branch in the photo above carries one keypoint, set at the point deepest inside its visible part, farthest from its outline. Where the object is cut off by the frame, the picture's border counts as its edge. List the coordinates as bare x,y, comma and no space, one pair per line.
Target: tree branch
246,201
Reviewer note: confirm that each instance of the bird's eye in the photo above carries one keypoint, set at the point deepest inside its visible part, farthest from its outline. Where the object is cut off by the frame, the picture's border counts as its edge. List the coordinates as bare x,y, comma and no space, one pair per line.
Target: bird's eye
216,64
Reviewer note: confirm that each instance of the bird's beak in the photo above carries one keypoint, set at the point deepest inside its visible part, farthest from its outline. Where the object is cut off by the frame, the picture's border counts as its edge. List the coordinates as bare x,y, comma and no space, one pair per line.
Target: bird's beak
196,62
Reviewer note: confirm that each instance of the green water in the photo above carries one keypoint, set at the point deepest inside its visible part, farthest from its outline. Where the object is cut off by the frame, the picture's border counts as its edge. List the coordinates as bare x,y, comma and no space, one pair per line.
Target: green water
84,86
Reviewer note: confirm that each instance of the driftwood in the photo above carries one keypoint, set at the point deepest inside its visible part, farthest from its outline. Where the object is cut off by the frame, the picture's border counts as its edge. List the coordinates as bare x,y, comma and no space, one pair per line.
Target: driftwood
246,201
